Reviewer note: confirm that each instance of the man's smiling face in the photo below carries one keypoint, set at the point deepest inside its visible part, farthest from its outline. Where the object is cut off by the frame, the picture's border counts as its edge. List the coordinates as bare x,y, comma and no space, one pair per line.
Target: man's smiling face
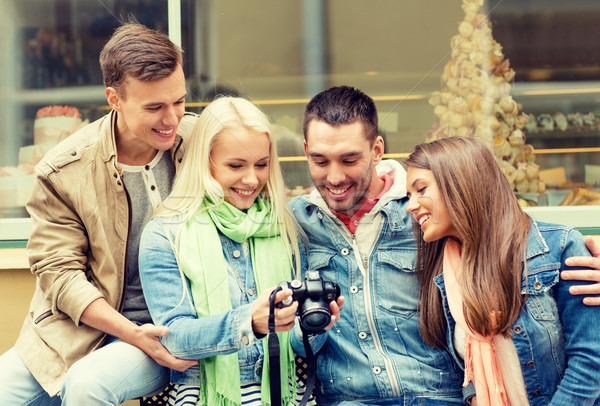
149,112
342,164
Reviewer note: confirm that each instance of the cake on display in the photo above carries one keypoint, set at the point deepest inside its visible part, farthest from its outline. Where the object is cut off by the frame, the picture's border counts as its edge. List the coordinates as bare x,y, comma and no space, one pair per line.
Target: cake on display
52,124
55,123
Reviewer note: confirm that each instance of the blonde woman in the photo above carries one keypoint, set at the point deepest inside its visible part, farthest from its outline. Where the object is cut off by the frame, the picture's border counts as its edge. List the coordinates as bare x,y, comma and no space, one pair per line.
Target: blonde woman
212,255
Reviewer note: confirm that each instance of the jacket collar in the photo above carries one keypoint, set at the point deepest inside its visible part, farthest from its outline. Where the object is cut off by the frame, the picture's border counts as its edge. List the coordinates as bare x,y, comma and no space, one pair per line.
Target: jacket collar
108,139
396,192
536,244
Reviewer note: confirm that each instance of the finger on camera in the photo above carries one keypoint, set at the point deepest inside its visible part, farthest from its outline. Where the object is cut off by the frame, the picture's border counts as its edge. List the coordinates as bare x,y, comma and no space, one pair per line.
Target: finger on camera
283,294
336,306
287,312
330,325
284,319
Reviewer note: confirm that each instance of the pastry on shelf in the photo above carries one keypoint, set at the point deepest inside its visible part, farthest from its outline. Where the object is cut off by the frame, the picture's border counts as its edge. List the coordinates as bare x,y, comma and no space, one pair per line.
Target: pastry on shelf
545,122
531,124
55,123
575,120
579,196
589,119
297,191
560,120
573,185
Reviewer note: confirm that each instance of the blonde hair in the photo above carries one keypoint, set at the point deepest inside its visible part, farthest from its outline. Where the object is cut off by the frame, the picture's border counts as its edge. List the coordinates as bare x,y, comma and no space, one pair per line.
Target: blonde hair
194,180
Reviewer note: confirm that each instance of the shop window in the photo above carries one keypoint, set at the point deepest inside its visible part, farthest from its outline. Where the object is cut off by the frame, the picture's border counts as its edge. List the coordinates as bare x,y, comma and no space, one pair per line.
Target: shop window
279,54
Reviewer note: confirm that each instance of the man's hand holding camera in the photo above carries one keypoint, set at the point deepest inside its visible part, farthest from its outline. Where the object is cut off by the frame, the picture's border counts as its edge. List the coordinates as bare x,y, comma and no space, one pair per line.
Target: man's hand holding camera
335,306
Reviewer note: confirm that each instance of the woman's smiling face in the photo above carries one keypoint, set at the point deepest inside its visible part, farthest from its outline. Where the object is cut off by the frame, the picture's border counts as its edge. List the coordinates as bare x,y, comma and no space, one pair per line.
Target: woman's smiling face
426,205
240,163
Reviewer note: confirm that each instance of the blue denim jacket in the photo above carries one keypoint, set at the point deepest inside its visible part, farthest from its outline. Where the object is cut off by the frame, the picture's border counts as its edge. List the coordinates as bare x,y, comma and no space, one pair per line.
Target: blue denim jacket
375,350
556,336
167,294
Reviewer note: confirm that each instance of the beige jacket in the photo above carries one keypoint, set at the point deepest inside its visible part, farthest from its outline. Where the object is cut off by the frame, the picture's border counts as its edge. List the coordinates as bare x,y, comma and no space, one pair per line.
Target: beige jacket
78,246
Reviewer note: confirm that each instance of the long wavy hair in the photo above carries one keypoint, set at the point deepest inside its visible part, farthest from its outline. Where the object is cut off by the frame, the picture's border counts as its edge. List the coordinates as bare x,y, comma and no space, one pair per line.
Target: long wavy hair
492,228
194,180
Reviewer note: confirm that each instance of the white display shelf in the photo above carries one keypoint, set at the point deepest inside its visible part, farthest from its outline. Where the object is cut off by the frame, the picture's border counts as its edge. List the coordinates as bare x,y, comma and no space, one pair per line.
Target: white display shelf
62,95
15,229
584,218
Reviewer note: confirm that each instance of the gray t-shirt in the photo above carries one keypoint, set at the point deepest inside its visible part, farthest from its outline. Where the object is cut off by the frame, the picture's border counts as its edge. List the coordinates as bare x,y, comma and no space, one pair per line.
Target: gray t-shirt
147,186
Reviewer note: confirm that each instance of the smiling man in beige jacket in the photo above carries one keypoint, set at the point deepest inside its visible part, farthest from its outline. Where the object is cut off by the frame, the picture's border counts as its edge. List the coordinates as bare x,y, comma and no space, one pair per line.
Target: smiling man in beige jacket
88,337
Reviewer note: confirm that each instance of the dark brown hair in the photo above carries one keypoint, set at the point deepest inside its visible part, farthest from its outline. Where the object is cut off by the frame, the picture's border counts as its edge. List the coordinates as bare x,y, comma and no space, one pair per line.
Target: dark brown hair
139,52
342,105
492,228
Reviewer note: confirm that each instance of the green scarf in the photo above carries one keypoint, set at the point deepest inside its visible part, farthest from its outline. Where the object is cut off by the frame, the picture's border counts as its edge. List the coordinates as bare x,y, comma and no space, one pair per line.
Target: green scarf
203,263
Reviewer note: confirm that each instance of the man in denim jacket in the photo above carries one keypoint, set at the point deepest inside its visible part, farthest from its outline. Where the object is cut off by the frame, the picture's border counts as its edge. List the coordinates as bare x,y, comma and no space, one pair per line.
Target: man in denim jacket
361,238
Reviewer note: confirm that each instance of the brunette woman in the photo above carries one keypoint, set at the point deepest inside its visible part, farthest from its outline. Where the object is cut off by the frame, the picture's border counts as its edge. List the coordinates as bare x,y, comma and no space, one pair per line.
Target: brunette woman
490,286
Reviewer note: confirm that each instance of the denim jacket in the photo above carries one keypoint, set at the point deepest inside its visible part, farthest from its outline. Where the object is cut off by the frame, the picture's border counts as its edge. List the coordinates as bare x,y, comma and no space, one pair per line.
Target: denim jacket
167,293
375,350
556,336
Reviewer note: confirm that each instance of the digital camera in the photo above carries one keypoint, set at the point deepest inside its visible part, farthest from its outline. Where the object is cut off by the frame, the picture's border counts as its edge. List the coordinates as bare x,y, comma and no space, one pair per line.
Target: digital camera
313,297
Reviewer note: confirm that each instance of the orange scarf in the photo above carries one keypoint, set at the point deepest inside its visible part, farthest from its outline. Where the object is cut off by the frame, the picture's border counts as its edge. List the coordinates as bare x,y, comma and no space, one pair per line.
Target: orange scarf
481,360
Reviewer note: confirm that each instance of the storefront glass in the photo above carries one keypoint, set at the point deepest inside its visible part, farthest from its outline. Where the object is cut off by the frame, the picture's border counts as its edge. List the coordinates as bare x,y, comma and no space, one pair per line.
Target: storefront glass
280,54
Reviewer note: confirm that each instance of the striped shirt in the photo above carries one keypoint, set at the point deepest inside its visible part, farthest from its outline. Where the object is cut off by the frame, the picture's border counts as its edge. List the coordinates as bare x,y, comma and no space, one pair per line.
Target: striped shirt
188,395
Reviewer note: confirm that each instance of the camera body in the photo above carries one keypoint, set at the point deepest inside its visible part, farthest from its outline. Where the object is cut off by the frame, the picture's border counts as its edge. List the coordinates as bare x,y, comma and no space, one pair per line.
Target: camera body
313,297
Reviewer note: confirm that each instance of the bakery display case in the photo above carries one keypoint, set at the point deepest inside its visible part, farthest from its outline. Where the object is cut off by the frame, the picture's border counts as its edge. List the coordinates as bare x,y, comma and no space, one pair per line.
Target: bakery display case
51,85
399,59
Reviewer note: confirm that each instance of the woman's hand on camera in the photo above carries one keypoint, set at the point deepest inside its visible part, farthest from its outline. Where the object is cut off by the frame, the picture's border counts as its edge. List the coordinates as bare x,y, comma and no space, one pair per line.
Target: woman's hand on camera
284,317
335,307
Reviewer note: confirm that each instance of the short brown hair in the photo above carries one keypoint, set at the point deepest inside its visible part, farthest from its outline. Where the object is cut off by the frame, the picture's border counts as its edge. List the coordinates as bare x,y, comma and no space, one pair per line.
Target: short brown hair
139,52
342,105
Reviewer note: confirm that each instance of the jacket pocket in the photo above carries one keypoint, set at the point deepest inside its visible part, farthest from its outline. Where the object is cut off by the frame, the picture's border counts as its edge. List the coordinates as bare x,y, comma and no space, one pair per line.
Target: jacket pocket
42,316
318,259
396,284
45,314
323,261
540,301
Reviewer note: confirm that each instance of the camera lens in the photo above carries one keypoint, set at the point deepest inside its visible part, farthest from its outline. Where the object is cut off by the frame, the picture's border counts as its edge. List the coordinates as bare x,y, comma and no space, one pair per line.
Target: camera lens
315,320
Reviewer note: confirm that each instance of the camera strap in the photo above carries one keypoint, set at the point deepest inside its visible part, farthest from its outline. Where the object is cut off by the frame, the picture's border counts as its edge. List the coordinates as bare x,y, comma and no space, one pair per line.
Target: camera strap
274,351
311,370
274,359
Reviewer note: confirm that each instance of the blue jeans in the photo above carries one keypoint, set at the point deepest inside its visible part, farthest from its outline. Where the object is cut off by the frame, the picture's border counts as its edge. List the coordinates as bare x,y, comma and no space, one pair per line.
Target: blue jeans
114,373
402,401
